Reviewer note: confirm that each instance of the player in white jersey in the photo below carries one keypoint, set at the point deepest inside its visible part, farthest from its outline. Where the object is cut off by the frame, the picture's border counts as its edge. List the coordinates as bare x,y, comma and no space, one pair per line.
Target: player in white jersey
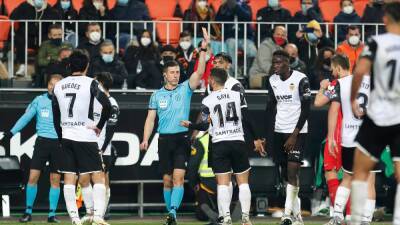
288,108
104,144
76,129
225,109
381,125
339,96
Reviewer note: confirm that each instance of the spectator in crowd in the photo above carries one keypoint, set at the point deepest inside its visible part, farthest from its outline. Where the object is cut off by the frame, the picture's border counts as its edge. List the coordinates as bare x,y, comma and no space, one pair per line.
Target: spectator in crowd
48,52
352,46
322,67
141,60
93,10
232,10
309,40
263,60
128,10
109,62
373,13
186,51
30,10
201,11
309,11
3,71
168,53
61,66
92,41
347,15
295,62
274,12
66,12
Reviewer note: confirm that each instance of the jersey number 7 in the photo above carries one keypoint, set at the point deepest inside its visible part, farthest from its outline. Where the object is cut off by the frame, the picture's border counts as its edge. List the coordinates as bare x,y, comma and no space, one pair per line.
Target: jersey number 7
72,97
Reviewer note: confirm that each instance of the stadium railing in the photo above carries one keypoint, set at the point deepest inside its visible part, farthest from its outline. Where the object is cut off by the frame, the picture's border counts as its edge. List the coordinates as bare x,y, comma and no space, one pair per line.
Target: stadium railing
169,26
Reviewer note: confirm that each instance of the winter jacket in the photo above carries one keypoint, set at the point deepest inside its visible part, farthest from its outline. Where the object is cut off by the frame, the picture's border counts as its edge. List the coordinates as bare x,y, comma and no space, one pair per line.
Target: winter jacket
351,52
49,52
116,68
92,49
268,14
263,61
70,14
345,18
243,13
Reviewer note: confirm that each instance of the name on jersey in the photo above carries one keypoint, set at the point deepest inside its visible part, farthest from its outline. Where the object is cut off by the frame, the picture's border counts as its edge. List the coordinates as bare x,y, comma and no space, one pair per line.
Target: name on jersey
284,98
226,132
72,124
71,85
223,96
352,126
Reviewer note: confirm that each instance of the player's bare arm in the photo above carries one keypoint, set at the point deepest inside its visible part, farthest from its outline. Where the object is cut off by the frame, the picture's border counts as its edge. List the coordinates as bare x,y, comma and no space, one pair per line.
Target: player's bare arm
363,67
332,121
148,128
194,80
320,98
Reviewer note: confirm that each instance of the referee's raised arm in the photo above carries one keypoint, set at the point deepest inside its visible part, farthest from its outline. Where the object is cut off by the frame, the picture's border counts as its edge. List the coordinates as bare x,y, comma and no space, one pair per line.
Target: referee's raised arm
194,80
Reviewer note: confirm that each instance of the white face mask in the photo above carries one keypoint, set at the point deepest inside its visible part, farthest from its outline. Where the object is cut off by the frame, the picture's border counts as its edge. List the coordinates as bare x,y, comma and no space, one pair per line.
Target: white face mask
185,45
97,5
354,40
202,4
95,36
348,9
145,41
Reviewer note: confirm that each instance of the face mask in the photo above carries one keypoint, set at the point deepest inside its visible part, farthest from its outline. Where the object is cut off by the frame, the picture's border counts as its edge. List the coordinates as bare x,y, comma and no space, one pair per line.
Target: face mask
95,36
185,45
65,5
107,58
279,41
293,62
202,4
123,2
97,5
348,9
354,40
304,8
145,41
327,62
273,3
166,59
56,41
38,3
311,38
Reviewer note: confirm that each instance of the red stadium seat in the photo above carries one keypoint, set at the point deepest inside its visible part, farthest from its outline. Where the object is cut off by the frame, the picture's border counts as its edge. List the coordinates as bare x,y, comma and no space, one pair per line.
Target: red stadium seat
5,27
359,6
52,2
77,4
329,8
256,5
161,9
185,4
174,30
111,4
291,5
10,5
215,4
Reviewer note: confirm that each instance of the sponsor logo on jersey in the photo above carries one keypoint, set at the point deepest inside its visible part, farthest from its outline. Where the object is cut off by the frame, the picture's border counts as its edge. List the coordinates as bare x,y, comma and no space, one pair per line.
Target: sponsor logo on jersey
284,98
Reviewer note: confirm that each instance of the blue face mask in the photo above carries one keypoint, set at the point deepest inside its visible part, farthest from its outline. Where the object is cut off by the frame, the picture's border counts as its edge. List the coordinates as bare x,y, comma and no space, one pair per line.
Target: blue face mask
107,58
304,9
123,2
273,3
65,5
312,38
38,3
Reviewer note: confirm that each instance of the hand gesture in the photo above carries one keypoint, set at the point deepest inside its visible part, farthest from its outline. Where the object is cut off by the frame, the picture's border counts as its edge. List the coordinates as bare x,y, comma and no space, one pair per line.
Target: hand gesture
95,129
185,123
357,110
259,147
324,84
206,38
144,145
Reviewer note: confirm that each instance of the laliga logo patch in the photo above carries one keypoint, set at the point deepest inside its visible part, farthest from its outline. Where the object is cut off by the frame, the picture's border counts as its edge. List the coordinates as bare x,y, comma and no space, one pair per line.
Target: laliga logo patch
45,113
291,86
331,88
163,104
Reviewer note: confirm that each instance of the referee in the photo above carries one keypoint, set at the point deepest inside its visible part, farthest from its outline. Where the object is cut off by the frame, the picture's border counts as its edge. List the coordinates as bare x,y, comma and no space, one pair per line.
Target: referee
46,150
172,104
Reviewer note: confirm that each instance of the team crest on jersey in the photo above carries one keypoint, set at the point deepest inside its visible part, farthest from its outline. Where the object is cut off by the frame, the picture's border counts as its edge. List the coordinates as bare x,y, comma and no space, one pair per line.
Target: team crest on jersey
291,87
163,103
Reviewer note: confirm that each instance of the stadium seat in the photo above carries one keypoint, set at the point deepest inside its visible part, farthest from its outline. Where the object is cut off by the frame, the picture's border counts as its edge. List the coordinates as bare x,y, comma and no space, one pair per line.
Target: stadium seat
174,30
112,4
256,5
292,6
5,27
77,4
10,5
185,4
52,2
360,5
329,8
215,4
166,10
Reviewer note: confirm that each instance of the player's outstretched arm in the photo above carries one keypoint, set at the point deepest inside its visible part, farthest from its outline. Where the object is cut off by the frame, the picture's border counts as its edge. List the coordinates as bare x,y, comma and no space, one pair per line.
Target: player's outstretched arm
194,80
56,117
25,119
148,128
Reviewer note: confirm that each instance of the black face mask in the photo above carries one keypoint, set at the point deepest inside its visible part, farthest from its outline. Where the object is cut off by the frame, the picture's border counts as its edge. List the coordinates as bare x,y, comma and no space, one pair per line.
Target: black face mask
167,58
56,41
292,60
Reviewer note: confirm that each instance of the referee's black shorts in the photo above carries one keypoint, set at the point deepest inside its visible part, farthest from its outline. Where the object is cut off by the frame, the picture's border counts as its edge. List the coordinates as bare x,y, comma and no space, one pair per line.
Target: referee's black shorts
173,152
80,157
46,150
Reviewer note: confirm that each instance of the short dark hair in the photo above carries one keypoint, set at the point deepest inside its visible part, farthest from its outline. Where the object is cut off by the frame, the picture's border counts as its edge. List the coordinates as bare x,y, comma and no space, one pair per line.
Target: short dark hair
224,56
341,2
392,10
220,75
168,64
352,27
79,60
105,78
55,26
64,48
54,76
168,48
92,24
341,60
185,33
281,53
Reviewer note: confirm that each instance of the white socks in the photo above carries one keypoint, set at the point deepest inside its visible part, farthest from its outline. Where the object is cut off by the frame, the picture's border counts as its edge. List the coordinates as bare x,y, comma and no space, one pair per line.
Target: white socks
87,195
99,199
224,197
292,193
359,194
108,195
342,196
297,208
70,202
396,216
245,198
369,210
220,211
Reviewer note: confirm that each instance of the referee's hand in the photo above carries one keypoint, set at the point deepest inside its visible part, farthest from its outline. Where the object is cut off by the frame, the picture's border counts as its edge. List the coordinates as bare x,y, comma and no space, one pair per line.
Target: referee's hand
144,145
95,129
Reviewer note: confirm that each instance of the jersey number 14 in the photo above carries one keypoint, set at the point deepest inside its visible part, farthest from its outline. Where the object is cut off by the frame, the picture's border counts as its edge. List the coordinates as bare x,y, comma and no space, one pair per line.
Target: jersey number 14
230,115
